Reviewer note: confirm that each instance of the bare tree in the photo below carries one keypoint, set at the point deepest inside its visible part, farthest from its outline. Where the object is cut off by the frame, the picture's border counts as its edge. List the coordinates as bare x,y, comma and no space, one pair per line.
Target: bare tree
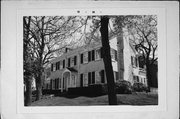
27,61
48,35
142,30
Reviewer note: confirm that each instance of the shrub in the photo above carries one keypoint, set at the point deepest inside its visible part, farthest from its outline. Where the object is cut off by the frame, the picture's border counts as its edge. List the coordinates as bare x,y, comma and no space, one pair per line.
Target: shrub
123,87
139,87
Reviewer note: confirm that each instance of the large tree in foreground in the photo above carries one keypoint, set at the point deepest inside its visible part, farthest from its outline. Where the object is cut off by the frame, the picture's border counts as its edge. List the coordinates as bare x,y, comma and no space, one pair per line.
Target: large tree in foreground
107,60
28,71
48,35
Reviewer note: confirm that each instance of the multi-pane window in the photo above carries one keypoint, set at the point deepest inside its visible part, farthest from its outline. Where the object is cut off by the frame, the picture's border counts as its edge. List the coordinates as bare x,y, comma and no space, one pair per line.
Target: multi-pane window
134,61
91,78
85,79
73,83
98,77
113,54
61,65
54,67
97,54
116,76
85,58
57,65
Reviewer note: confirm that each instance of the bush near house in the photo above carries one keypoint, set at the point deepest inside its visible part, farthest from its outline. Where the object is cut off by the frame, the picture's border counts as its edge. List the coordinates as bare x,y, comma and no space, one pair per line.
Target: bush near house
91,90
139,87
123,87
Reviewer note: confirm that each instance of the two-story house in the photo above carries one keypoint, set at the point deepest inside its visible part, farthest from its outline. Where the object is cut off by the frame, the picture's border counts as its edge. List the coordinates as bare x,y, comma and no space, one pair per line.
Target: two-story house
84,66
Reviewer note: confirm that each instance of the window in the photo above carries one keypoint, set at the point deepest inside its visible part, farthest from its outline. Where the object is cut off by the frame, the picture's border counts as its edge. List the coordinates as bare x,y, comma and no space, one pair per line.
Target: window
113,54
72,62
82,58
97,54
69,62
116,55
85,79
98,77
81,80
64,63
91,78
54,67
85,57
116,76
73,83
57,65
61,65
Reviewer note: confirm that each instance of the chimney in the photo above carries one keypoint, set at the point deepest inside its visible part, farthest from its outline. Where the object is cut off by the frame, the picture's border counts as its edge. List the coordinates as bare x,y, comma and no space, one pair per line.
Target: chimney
120,54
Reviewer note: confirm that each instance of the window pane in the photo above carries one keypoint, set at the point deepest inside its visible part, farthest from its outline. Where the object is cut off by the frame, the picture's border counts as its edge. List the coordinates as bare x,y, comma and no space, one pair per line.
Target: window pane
61,65
85,79
72,61
98,77
97,54
86,57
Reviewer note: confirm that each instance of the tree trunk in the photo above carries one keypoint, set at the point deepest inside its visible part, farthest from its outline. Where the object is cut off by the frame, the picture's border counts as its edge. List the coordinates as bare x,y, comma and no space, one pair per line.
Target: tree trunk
39,87
148,75
107,61
28,92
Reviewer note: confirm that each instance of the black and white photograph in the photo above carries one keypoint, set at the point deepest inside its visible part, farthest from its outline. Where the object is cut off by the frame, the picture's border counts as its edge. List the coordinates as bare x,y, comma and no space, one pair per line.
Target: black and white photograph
90,60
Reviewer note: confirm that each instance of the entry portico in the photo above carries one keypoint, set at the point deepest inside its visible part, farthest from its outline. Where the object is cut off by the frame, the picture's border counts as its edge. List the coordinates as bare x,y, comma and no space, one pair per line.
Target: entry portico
69,77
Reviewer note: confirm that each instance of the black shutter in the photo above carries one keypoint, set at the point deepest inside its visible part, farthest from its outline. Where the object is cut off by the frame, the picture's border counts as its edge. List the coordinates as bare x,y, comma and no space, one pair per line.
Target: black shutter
82,58
75,59
93,77
102,76
51,67
89,56
63,63
101,52
69,62
89,78
93,55
81,80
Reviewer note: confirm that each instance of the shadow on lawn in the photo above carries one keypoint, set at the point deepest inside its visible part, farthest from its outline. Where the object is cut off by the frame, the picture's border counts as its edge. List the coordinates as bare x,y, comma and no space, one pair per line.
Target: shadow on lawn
71,96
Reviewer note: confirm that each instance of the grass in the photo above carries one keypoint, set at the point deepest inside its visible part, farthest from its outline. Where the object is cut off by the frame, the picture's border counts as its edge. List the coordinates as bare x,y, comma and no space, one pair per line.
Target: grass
123,99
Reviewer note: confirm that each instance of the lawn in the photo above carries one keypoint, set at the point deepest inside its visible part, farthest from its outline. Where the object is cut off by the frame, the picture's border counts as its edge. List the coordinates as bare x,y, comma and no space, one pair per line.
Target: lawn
123,99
